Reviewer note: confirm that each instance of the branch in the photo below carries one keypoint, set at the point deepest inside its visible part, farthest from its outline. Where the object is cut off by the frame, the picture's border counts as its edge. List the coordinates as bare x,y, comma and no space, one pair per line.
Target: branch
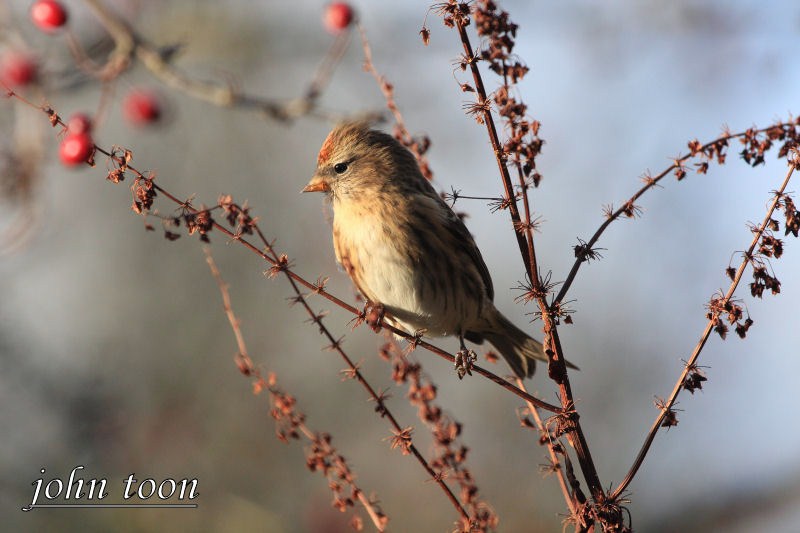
667,406
708,151
450,453
284,412
130,45
554,448
401,133
458,15
484,110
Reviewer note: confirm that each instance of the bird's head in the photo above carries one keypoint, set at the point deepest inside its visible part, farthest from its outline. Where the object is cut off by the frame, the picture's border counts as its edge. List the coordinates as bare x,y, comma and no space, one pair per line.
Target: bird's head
355,159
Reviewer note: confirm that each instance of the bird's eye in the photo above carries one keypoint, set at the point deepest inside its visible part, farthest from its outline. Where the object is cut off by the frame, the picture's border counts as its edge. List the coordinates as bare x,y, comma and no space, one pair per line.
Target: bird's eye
340,168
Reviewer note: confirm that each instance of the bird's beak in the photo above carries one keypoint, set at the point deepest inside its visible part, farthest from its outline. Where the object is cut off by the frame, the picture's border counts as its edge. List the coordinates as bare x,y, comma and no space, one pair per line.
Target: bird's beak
317,184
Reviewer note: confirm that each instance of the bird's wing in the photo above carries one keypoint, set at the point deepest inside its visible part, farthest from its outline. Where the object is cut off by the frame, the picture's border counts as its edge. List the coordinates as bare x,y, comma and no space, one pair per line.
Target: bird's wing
461,235
460,231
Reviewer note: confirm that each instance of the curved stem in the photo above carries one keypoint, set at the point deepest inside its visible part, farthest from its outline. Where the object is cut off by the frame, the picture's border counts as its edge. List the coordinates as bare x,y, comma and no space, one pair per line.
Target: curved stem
692,362
650,184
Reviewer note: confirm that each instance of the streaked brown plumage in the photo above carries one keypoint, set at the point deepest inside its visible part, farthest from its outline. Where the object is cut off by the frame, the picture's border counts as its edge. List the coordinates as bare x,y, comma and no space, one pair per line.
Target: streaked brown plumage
404,248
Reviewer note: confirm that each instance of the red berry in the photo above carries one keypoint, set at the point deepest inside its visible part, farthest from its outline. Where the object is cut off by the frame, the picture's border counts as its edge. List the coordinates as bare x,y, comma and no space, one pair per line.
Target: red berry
48,15
17,69
76,148
142,107
338,16
79,123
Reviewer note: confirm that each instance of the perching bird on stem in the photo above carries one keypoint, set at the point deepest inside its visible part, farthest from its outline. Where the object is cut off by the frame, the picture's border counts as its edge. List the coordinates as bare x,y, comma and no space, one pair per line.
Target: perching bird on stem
406,251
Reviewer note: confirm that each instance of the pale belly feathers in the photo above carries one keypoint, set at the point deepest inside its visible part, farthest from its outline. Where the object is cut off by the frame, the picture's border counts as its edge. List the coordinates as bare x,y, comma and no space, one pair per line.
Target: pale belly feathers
389,275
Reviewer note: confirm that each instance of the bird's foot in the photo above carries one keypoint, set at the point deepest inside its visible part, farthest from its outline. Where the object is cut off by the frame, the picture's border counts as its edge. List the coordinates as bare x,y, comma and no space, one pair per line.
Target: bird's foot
373,315
465,360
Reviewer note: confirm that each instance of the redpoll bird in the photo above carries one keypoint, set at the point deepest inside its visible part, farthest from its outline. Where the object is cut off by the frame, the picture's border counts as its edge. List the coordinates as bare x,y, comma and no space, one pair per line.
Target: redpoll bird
406,250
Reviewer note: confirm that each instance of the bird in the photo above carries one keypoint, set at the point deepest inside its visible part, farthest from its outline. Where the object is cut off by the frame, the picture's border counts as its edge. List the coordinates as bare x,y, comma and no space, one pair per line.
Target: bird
406,251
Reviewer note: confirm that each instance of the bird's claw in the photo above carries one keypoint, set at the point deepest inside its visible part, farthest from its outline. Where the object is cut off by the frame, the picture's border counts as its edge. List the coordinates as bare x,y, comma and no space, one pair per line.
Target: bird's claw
465,360
373,315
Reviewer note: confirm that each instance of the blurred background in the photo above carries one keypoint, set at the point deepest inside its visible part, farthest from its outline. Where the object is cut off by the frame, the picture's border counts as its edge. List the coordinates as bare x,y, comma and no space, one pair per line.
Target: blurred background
115,352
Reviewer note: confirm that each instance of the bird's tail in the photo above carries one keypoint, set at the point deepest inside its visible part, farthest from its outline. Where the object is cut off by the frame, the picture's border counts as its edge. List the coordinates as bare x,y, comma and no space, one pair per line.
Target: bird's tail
516,347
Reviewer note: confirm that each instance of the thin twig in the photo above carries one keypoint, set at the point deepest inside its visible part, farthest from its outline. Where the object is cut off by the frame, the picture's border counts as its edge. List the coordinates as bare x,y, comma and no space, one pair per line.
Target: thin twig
401,131
692,361
551,448
248,368
556,368
650,183
500,157
130,45
450,453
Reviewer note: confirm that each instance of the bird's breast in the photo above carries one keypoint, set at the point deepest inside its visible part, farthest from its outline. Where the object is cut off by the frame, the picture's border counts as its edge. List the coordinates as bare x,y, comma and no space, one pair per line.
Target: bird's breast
399,252
380,255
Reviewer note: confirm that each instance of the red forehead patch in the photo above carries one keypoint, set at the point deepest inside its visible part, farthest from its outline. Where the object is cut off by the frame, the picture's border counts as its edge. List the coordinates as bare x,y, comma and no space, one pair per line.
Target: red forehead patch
325,151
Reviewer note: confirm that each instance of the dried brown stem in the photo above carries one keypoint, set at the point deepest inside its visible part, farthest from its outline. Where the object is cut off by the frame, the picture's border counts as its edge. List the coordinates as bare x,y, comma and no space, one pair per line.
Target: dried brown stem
450,453
650,183
666,406
557,367
377,398
500,157
401,131
527,227
386,88
552,445
248,368
388,92
228,308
